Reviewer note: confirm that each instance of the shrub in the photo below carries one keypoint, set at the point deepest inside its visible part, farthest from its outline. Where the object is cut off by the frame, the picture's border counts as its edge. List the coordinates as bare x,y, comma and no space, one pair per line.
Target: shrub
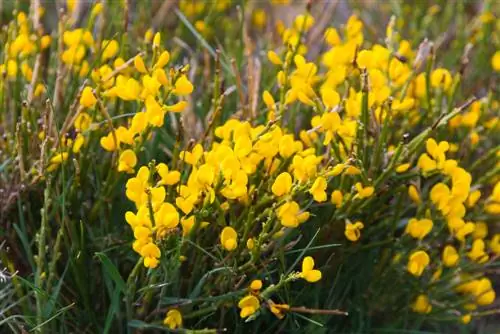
324,179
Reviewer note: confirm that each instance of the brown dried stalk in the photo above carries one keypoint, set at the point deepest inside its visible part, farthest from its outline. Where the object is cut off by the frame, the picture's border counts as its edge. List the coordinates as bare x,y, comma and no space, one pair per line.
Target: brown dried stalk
303,309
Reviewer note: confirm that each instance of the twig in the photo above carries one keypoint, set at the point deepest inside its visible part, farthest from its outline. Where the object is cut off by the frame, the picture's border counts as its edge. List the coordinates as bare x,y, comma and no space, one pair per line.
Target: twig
70,120
303,309
241,95
121,67
165,8
58,90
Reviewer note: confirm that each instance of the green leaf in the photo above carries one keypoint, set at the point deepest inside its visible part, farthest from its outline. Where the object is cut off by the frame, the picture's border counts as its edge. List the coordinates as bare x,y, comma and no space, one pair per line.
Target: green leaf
53,298
110,269
113,309
196,291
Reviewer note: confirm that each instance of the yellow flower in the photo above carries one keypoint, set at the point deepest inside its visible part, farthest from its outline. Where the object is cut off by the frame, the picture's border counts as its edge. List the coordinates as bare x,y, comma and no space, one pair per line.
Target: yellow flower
242,146
97,9
332,36
461,229
353,231
282,185
450,256
402,168
495,61
138,244
330,98
477,253
127,161
109,49
473,197
136,187
303,22
336,170
78,143
259,18
188,197
366,59
173,319
422,304
45,41
84,69
193,156
441,78
308,272
124,135
189,223
127,89
73,55
82,121
39,90
277,309
148,36
337,198
414,194
139,64
88,99
290,215
484,293
142,233
162,60
495,244
229,238
287,146
157,40
205,175
274,58
151,85
248,305
480,230
281,77
256,285
59,158
363,192
183,86
318,189
178,107
419,228
161,76
139,219
269,101
108,142
154,112
417,262
466,319
168,178
250,243
151,253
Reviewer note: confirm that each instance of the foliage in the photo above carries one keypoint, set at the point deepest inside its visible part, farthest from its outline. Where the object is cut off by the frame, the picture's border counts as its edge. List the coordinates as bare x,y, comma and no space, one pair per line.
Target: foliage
214,167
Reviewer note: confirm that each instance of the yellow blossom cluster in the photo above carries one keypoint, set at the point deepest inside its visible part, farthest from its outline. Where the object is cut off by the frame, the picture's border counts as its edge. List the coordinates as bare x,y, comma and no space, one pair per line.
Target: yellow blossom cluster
317,161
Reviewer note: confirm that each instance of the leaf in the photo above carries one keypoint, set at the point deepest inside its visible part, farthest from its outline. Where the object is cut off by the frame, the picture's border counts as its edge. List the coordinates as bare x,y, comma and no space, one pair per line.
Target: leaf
26,246
197,289
2,166
111,270
113,309
309,320
303,252
144,325
61,311
200,38
53,298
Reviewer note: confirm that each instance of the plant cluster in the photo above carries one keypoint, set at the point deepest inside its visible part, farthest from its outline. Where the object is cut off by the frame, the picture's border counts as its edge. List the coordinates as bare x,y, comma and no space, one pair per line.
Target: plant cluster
312,185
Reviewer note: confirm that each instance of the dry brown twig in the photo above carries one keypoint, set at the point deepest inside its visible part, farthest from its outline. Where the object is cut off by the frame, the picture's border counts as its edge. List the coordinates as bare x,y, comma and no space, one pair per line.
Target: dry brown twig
165,8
